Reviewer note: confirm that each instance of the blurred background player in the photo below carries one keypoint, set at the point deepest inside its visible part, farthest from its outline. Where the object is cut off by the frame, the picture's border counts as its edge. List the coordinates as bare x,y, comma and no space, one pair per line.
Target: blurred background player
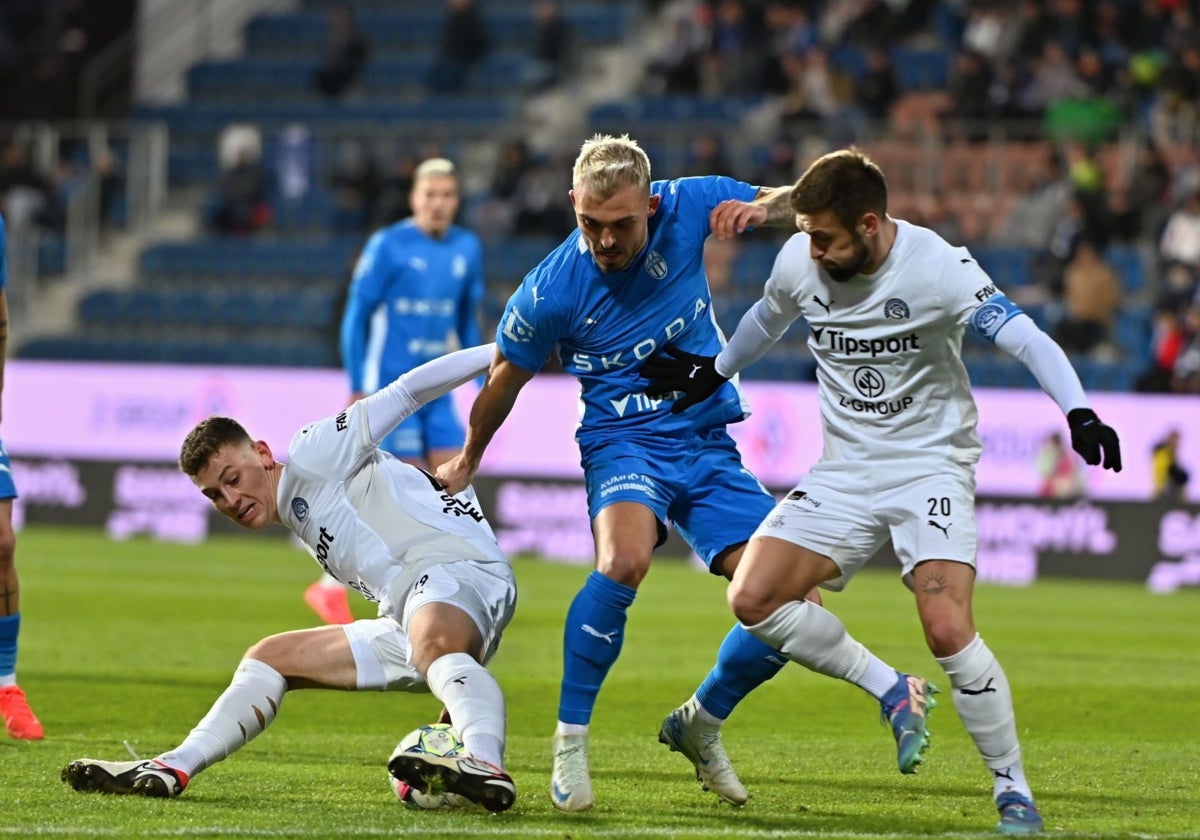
445,590
415,295
19,719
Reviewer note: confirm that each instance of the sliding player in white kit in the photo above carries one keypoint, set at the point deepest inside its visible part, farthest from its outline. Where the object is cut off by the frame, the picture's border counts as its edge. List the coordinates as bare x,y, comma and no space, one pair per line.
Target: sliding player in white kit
886,303
388,530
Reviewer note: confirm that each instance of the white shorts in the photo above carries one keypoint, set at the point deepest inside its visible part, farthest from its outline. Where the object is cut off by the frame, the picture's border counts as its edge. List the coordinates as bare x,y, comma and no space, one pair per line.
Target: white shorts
487,592
849,512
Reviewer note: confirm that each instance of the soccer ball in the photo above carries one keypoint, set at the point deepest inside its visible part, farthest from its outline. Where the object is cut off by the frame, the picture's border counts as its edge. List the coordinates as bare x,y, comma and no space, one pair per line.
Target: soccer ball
440,739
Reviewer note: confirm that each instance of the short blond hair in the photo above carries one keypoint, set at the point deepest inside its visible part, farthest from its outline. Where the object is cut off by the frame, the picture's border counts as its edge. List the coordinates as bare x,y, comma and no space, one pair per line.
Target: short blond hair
607,164
435,167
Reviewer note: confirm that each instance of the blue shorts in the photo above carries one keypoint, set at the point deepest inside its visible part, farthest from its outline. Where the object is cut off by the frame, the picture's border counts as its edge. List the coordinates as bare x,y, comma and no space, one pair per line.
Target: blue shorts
434,425
697,483
8,488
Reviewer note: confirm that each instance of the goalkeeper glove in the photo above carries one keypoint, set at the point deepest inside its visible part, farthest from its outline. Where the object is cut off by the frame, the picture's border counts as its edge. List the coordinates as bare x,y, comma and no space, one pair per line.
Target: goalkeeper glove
677,370
1090,437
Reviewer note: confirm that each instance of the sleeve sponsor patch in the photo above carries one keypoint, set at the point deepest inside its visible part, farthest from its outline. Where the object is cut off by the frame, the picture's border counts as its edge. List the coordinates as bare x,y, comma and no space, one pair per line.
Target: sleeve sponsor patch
516,328
995,312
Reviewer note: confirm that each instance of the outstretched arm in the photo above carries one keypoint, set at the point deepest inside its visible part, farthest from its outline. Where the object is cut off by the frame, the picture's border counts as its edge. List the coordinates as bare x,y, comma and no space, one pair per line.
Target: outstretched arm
699,377
772,207
493,404
423,384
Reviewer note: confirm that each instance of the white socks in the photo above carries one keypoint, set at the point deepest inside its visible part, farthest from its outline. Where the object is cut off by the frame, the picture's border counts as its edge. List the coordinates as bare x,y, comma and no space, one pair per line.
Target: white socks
475,702
244,710
984,703
809,634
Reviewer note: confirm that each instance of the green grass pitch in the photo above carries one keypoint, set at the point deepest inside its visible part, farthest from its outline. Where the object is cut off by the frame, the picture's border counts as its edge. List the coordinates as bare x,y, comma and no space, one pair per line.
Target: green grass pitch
133,641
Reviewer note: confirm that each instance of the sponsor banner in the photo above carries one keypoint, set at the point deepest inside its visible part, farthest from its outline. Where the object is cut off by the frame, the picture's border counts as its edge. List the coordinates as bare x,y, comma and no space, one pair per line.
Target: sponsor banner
122,412
1018,540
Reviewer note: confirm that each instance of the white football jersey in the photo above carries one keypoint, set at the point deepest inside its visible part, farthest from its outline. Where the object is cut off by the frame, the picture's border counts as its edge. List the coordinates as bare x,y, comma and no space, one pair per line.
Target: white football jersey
888,347
369,517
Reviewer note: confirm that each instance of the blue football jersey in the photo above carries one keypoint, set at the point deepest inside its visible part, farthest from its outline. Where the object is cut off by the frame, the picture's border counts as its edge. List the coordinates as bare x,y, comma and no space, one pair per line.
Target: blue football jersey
605,325
413,298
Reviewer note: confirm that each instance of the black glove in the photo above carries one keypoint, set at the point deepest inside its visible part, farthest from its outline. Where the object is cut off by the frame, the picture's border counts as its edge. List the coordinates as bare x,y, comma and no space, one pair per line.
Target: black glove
677,370
1089,437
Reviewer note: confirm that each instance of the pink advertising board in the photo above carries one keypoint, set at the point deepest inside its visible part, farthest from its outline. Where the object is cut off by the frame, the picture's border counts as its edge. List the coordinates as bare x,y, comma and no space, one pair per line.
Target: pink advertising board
110,412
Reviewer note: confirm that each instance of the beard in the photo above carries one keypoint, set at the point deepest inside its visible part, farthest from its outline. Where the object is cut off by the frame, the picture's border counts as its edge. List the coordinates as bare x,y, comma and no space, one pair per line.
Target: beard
862,255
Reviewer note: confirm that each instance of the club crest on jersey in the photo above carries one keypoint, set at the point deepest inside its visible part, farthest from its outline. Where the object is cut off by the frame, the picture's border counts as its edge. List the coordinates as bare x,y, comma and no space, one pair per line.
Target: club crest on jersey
988,319
656,266
300,508
897,309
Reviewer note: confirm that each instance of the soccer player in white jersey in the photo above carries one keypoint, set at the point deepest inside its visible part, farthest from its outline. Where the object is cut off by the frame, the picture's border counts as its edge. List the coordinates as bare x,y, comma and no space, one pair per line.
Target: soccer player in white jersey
388,530
886,304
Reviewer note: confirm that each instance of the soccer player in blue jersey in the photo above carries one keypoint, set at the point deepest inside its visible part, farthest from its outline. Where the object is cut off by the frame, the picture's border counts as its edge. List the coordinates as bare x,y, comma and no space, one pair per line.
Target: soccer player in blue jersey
621,287
415,296
19,719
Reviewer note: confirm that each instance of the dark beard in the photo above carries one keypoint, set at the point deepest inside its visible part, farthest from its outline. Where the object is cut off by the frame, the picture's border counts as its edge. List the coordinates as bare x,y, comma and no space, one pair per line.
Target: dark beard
841,275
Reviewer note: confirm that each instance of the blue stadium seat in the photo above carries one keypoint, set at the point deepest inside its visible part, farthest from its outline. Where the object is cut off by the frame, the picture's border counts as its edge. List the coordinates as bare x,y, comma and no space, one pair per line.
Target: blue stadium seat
1129,265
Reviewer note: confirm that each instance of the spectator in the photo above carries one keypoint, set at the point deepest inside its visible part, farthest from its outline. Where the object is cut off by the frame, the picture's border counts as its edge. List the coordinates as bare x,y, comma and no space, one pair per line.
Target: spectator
779,165
1058,468
464,41
552,46
817,94
732,63
676,71
706,156
346,52
1091,297
793,33
26,195
1180,242
240,205
355,188
396,186
876,90
1185,377
1165,346
1170,477
538,205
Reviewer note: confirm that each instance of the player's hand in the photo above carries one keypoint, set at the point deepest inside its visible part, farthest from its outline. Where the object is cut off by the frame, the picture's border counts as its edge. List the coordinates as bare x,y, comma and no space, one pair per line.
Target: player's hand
675,370
732,217
455,475
1090,438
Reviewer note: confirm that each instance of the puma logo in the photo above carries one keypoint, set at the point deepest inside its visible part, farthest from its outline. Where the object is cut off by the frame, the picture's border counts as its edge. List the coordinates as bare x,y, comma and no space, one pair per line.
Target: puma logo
945,530
592,631
695,370
824,305
1002,774
987,688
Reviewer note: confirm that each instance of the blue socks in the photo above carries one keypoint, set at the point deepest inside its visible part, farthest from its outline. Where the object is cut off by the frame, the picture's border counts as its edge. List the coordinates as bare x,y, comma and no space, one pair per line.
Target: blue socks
592,639
10,627
744,662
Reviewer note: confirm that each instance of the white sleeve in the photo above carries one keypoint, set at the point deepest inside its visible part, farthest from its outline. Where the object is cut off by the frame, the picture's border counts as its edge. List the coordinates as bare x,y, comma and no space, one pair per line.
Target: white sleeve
756,333
767,321
423,384
1022,339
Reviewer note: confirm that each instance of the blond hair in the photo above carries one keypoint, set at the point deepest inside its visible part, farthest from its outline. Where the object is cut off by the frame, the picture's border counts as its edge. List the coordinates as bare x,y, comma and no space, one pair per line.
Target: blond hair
607,164
435,167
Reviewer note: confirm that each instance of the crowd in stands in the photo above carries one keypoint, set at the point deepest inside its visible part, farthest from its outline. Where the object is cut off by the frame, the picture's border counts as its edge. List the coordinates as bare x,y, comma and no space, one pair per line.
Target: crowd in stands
1067,131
